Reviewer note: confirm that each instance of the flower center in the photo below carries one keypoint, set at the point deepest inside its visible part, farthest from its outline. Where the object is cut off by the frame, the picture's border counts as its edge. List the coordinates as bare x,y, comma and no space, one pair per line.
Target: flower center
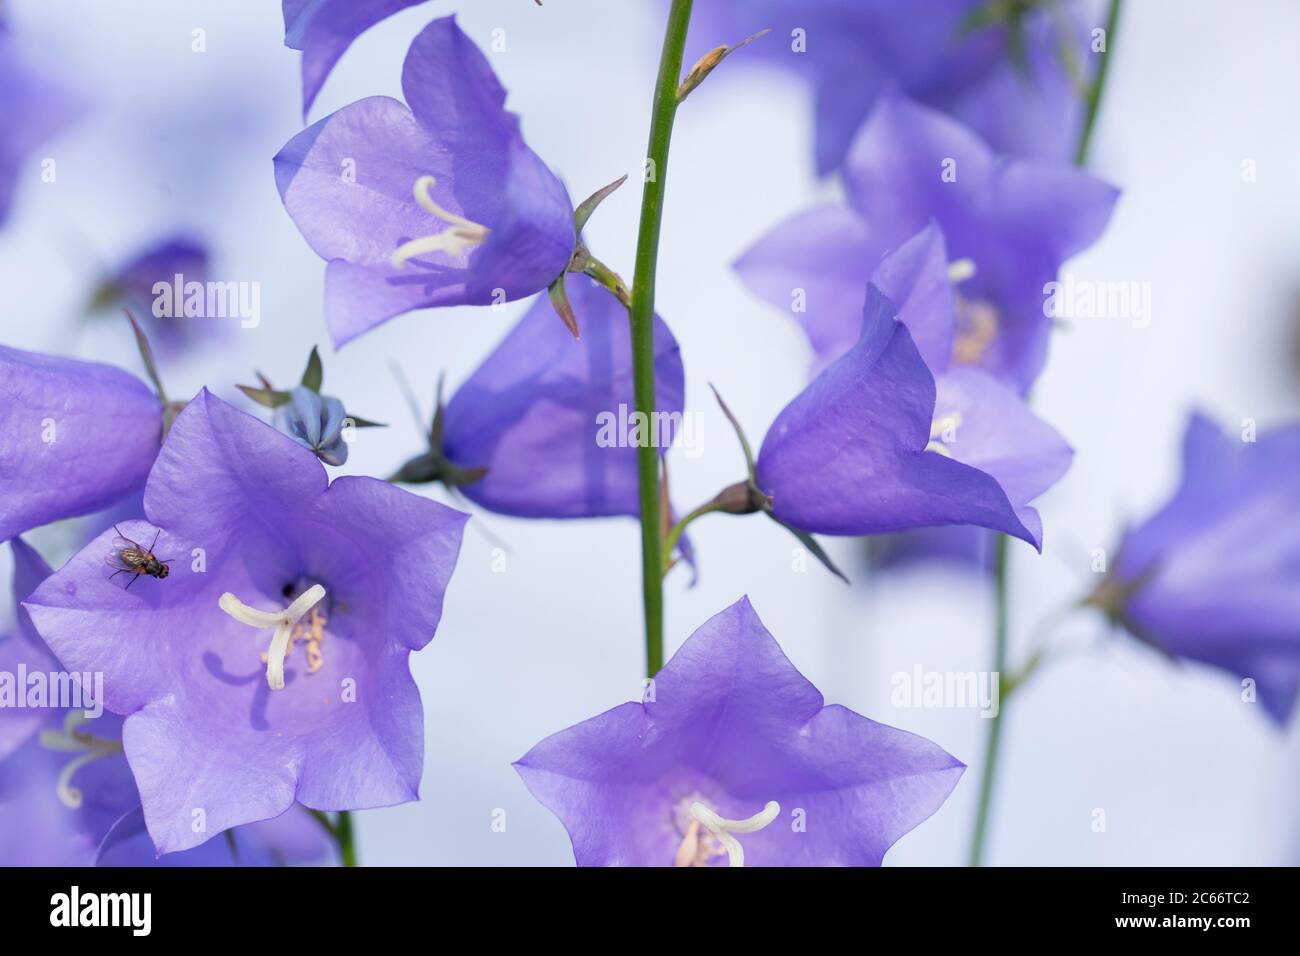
977,326
708,835
287,630
462,234
943,432
88,748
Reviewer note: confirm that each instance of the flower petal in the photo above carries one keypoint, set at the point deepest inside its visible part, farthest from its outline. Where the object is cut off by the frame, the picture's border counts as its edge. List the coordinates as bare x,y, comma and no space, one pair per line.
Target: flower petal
74,437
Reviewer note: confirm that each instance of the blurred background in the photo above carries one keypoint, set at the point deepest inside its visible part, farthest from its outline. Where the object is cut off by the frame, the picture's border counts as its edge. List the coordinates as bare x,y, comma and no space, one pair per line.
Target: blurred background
179,141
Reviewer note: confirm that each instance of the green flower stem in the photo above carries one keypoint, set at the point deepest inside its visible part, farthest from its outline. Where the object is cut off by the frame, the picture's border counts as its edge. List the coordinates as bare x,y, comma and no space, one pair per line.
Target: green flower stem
340,830
676,531
346,838
1092,107
993,744
663,111
1092,102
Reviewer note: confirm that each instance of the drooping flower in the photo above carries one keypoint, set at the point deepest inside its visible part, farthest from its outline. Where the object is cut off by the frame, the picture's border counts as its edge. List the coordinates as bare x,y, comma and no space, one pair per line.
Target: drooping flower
1010,222
324,29
1214,575
978,420
547,427
733,757
1015,72
33,110
137,285
871,446
271,665
75,437
434,203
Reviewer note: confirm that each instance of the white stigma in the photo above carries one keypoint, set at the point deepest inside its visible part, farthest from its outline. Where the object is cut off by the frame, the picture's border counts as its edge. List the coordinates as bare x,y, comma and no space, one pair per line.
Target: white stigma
722,828
88,748
282,621
959,270
462,235
943,430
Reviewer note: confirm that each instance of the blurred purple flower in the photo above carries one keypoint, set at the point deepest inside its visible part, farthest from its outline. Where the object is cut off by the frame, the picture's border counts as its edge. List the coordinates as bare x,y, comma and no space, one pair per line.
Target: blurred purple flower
247,515
133,286
1214,576
1009,222
729,727
873,446
1014,73
23,652
32,112
324,29
438,204
75,437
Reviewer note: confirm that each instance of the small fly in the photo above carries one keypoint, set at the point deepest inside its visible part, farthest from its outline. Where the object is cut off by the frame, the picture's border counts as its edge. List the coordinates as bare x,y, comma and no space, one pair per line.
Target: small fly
136,560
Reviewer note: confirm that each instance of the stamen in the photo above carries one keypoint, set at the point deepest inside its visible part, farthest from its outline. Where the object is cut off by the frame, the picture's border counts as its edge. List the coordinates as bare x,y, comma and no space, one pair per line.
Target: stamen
283,622
463,233
88,747
722,828
959,270
940,429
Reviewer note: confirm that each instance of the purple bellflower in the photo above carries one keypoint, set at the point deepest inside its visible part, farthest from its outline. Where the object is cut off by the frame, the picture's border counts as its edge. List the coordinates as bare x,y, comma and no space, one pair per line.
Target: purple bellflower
75,437
1010,222
435,203
1214,575
546,427
733,757
64,784
1016,74
33,111
324,29
873,446
332,584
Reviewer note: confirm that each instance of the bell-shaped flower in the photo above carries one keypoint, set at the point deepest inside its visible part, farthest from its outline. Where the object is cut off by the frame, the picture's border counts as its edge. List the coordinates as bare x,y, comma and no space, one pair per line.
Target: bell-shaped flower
1016,73
1010,222
733,758
75,437
872,446
324,29
262,657
1214,575
435,202
547,426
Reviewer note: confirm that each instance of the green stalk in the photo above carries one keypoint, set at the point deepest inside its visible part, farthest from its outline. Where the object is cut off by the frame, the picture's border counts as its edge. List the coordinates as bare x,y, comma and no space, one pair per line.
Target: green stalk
993,744
663,111
347,839
992,748
1092,105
